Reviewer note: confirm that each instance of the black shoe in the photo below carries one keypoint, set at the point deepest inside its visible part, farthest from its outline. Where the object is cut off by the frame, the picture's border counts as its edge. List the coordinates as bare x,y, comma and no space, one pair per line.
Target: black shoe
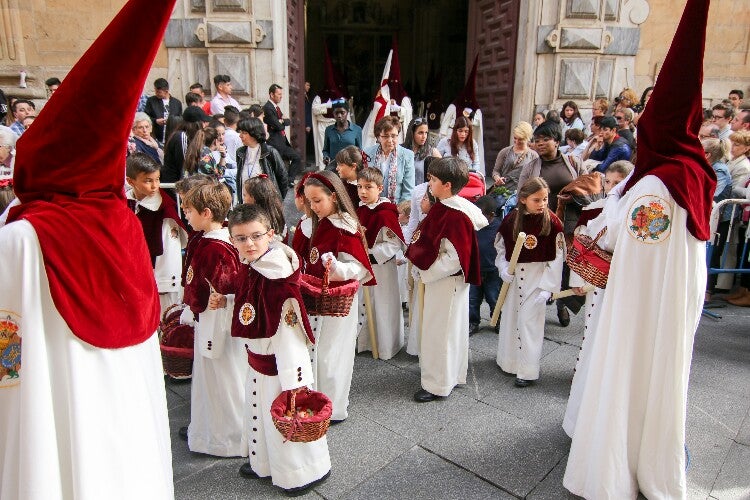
334,422
301,490
422,396
563,316
247,471
473,328
183,433
522,382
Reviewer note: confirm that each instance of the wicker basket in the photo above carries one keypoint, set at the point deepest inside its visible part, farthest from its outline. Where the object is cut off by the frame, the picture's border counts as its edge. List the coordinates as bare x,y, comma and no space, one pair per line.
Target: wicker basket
176,344
588,260
302,429
323,299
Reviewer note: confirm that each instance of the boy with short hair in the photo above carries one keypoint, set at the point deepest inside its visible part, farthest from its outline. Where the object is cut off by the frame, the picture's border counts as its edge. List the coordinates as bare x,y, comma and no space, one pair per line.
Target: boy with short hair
445,251
489,289
219,362
164,231
379,217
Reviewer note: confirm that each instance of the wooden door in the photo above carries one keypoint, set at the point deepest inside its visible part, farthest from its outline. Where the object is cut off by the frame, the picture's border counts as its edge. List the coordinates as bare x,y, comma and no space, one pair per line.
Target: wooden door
493,34
296,58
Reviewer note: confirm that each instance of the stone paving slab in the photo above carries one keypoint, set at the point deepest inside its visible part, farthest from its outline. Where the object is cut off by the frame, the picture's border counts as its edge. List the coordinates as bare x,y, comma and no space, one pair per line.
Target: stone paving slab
419,474
505,450
733,482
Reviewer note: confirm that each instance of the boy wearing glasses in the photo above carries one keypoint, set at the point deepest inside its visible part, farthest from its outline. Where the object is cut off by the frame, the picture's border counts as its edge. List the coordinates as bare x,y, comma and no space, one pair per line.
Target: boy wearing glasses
219,361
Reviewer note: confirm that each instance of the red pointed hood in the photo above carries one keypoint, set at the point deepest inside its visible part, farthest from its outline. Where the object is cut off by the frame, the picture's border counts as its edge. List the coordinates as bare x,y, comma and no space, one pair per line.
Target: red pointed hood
668,144
330,90
395,83
69,176
468,96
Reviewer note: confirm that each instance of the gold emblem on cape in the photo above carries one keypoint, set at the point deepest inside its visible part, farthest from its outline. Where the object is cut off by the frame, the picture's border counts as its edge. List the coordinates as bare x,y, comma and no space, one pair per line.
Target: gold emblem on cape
290,318
189,275
390,234
314,255
10,349
530,242
247,313
416,235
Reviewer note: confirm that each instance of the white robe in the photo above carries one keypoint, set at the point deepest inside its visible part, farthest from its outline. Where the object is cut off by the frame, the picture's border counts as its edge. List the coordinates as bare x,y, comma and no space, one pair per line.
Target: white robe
320,123
386,296
415,316
592,309
168,265
289,464
78,421
630,431
519,347
332,356
217,393
446,130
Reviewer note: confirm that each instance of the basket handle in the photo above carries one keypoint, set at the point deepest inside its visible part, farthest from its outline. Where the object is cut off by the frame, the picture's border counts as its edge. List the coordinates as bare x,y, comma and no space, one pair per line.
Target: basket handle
324,288
601,233
296,425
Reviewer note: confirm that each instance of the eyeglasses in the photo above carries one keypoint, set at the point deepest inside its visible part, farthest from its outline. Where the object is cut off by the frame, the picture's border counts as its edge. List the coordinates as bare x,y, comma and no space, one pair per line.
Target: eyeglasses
392,137
253,237
716,117
619,118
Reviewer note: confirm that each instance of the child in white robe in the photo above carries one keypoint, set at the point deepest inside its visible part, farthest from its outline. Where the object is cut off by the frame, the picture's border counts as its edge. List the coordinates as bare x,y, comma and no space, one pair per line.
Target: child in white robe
269,317
537,275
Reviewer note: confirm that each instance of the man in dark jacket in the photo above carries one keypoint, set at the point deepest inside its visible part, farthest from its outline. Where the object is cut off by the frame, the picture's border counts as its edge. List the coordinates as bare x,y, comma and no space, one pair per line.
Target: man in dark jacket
614,148
274,119
161,106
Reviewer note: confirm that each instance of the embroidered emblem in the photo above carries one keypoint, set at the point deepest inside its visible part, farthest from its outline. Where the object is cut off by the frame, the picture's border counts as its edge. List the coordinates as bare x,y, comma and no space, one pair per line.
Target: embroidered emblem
560,242
247,313
416,235
390,234
314,255
650,219
189,275
10,350
530,242
290,318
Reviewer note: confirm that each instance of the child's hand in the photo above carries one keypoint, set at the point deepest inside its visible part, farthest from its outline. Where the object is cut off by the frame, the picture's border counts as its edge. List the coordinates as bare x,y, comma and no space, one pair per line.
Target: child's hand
401,262
506,276
543,297
329,257
579,290
216,301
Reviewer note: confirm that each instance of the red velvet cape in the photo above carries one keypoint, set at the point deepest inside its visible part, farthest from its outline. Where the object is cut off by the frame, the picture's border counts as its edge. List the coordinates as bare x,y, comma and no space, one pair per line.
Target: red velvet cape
266,296
329,238
544,248
453,225
213,260
588,215
153,220
351,189
375,219
300,243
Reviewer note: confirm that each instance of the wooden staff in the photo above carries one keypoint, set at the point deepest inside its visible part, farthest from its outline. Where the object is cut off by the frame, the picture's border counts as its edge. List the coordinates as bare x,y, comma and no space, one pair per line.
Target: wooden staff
420,306
371,323
520,239
569,292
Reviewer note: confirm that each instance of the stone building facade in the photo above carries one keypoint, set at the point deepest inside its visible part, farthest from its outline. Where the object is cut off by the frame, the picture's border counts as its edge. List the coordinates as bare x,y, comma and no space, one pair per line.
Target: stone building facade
532,53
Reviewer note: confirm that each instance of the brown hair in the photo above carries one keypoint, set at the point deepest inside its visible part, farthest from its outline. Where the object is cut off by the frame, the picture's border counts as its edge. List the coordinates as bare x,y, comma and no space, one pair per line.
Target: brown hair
187,183
387,123
342,200
350,155
210,195
371,174
405,207
267,196
450,169
462,122
530,187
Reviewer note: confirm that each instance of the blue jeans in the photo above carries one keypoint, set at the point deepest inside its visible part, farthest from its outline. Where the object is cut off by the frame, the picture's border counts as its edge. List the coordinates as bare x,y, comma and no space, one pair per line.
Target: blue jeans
488,290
